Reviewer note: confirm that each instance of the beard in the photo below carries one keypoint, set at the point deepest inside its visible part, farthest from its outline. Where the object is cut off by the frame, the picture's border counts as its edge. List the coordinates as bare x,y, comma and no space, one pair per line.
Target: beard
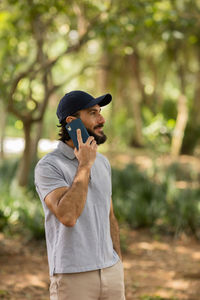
100,139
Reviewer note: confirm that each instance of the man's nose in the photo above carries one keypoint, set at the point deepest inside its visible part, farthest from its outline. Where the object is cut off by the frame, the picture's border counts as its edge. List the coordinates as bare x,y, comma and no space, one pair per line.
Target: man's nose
101,119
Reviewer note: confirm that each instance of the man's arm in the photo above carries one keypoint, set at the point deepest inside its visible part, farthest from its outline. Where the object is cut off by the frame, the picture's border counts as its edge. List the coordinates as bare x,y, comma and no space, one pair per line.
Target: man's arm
68,203
114,231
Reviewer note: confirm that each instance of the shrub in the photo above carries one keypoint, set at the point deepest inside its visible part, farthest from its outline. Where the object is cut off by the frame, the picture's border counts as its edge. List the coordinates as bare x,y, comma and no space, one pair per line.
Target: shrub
141,199
20,208
137,200
154,201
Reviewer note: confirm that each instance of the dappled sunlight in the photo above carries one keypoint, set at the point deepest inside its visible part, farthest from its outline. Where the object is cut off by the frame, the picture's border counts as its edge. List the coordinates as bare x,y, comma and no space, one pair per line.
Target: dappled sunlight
187,251
144,161
164,268
152,246
34,280
25,280
196,255
179,284
164,293
128,264
119,160
187,185
146,246
183,250
145,54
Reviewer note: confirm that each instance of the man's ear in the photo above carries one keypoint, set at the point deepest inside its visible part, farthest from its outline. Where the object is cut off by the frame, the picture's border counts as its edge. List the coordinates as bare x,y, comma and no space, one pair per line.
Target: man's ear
70,118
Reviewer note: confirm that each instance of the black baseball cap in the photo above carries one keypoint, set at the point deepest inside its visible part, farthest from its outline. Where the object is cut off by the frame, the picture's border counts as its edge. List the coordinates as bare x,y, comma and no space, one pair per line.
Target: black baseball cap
77,100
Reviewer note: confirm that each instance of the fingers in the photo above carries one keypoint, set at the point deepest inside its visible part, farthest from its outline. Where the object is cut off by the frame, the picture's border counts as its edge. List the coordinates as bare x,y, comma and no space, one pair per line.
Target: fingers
93,144
90,140
79,137
75,151
94,147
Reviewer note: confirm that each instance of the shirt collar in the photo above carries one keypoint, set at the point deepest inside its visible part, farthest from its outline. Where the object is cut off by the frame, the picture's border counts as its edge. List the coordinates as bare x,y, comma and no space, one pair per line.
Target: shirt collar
66,150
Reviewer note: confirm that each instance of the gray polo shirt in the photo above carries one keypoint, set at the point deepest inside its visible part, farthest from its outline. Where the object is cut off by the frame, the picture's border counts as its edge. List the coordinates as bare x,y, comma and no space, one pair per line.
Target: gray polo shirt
88,245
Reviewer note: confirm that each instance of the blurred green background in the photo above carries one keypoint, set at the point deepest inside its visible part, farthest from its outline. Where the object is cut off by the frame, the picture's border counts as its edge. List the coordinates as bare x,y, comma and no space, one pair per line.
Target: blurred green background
147,55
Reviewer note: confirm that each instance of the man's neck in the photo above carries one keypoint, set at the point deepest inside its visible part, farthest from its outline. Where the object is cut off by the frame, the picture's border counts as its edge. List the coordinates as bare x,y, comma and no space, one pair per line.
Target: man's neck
70,143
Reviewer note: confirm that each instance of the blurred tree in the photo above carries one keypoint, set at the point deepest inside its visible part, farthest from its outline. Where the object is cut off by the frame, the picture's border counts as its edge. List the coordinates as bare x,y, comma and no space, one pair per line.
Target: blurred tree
2,130
161,39
149,57
179,129
37,36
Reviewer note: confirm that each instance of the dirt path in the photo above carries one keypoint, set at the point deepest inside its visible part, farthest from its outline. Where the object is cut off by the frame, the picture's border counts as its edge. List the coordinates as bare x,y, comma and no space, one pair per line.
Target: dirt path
166,268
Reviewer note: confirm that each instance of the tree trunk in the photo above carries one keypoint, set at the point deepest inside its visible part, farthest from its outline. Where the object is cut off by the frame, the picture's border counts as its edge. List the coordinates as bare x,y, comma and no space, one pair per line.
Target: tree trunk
38,131
192,134
135,64
196,105
136,110
179,130
25,163
103,74
3,120
182,115
137,96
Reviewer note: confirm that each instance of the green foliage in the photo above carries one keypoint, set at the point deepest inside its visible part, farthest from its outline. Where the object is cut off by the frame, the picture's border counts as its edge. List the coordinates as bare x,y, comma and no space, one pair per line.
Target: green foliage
137,200
154,201
121,128
4,293
7,171
169,109
161,37
31,216
23,214
181,172
155,60
124,231
3,220
191,138
140,200
146,297
20,209
158,133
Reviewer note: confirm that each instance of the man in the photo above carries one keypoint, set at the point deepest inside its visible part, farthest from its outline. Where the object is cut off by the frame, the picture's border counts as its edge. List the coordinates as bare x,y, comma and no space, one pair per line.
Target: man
74,186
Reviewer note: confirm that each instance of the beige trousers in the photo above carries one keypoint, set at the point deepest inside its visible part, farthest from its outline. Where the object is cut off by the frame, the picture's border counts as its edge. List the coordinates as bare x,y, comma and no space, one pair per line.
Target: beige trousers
104,284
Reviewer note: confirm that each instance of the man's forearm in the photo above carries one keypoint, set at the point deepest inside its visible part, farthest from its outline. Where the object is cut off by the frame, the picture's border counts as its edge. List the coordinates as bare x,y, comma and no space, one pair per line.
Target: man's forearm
114,231
73,201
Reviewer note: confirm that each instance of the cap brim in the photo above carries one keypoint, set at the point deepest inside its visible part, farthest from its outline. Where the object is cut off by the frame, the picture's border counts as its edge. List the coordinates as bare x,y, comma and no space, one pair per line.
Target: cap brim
102,101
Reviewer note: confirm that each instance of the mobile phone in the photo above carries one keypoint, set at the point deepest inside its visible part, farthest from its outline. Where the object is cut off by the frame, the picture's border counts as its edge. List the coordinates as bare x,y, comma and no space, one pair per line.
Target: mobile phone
72,128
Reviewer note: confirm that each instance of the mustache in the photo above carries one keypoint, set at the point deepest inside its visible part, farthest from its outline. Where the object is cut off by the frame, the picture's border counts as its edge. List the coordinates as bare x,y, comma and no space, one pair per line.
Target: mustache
98,126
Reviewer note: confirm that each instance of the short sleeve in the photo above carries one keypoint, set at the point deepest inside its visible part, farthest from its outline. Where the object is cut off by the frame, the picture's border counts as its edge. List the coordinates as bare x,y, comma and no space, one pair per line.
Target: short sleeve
48,178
